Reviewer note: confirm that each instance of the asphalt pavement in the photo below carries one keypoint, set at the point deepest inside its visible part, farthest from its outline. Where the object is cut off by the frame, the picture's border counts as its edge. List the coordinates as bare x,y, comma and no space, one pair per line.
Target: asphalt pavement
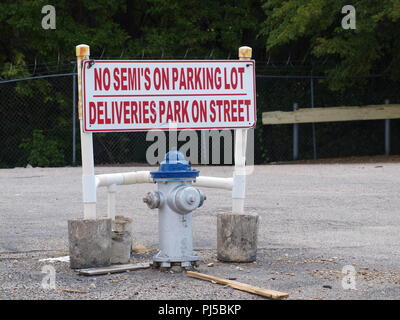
315,220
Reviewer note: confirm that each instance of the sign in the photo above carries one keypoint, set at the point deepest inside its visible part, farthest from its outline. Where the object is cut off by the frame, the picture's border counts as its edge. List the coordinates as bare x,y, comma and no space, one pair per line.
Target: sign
146,95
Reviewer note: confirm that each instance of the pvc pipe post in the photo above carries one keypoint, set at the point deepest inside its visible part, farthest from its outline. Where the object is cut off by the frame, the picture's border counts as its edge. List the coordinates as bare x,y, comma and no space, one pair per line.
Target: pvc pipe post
213,182
111,201
239,174
88,177
106,180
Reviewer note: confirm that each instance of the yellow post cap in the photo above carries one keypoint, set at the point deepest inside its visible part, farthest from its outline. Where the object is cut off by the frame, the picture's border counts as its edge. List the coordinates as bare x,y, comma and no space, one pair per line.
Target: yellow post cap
245,52
82,50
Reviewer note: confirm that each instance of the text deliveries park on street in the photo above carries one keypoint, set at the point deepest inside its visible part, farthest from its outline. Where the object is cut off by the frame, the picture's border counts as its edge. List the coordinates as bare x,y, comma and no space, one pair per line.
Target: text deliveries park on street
149,95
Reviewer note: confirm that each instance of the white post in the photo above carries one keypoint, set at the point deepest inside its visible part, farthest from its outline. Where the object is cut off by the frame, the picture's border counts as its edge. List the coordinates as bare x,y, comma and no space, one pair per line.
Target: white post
239,174
111,190
88,177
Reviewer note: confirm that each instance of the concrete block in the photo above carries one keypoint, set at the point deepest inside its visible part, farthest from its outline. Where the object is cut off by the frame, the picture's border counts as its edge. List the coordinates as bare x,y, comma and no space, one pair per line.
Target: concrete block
121,224
89,242
237,237
121,245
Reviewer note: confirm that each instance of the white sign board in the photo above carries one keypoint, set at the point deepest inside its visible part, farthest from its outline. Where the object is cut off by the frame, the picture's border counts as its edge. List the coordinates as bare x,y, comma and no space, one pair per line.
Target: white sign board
146,95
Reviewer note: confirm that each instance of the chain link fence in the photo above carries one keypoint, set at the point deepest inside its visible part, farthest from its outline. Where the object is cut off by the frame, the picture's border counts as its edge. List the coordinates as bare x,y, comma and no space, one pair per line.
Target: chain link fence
40,125
36,121
331,139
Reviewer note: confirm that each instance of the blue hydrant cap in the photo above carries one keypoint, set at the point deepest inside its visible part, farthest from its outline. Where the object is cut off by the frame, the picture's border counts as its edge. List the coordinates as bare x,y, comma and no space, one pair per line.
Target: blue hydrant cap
175,166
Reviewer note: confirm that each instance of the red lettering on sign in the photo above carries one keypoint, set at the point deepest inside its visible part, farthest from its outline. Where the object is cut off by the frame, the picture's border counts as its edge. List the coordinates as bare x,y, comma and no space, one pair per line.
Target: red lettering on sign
227,116
134,111
195,111
124,77
153,112
182,82
162,110
97,79
184,109
147,95
116,79
197,79
106,79
147,85
174,77
241,70
92,112
100,112
218,80
213,115
190,78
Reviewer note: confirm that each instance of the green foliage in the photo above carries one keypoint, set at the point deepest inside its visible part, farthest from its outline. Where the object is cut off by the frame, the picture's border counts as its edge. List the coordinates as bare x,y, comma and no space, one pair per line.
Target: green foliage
177,29
210,28
301,26
77,21
112,28
43,151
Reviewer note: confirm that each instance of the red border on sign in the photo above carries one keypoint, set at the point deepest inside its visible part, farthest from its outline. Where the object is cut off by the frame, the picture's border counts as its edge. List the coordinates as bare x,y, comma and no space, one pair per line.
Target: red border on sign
85,62
166,95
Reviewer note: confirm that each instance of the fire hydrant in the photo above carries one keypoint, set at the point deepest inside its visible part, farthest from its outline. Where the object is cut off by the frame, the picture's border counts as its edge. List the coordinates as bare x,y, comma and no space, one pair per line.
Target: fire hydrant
175,199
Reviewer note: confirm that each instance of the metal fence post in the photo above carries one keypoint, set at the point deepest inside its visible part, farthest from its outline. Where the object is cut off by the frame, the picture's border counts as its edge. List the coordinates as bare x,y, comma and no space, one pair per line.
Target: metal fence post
313,124
387,133
74,119
295,136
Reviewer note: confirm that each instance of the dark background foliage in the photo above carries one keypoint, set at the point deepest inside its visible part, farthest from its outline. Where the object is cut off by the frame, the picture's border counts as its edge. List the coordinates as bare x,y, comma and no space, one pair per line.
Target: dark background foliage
291,40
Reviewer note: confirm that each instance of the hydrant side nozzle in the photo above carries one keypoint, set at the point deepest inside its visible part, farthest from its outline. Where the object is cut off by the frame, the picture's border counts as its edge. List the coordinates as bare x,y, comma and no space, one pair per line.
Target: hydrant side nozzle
185,199
153,199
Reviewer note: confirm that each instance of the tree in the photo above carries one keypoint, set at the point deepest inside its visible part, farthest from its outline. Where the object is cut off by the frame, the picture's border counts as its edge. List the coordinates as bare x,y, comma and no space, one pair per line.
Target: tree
24,41
303,26
125,28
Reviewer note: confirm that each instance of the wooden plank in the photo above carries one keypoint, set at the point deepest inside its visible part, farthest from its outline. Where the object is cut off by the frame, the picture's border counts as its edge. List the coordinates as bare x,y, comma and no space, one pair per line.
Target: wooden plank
114,269
239,285
74,291
332,114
